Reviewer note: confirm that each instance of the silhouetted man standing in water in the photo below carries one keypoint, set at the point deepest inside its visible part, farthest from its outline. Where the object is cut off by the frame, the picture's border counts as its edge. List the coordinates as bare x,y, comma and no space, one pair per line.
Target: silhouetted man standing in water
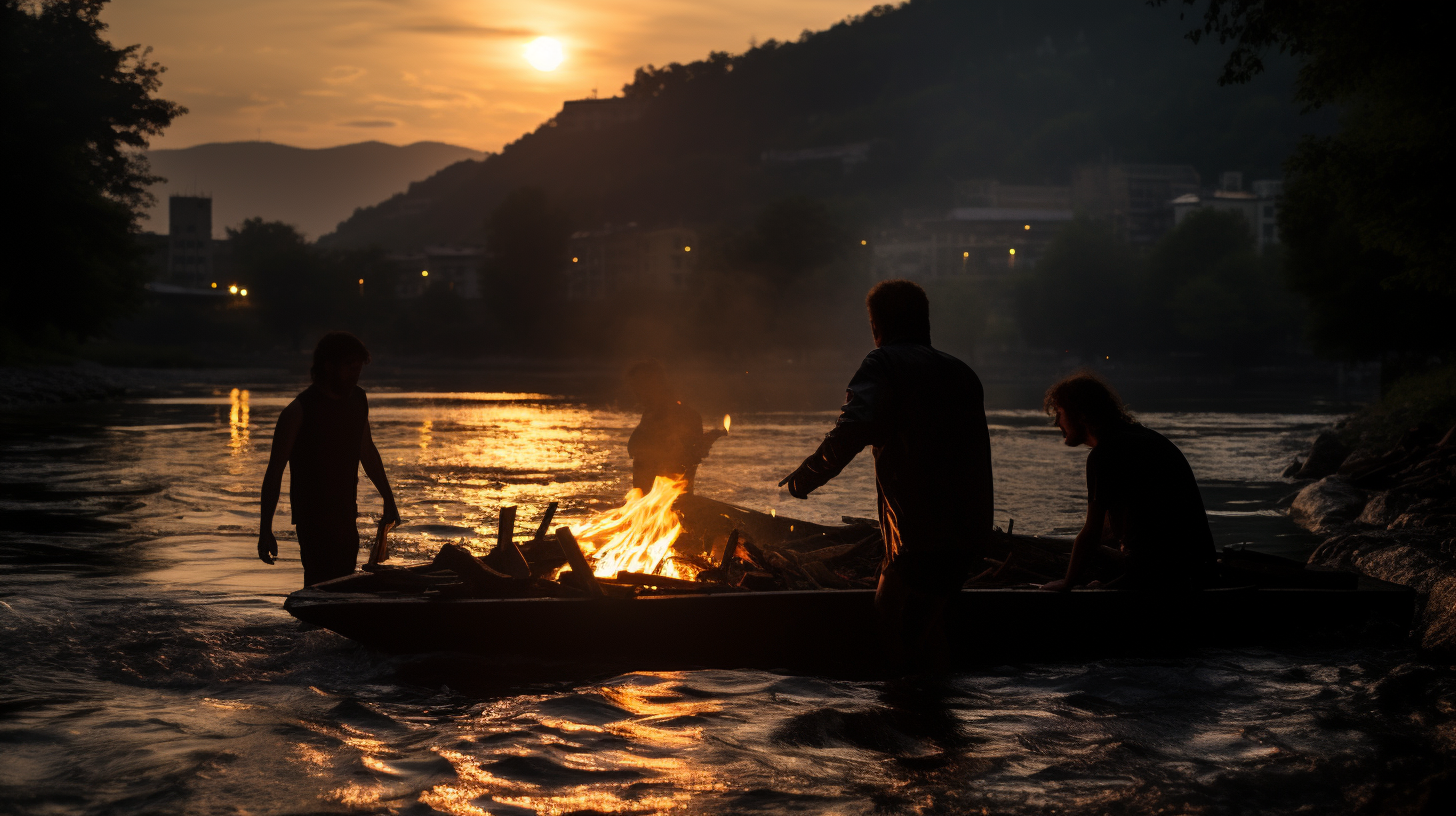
924,413
323,436
669,441
1145,526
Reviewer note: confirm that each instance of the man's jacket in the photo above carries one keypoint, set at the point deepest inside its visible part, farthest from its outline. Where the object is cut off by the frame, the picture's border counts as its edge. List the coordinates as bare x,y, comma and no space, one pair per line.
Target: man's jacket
923,411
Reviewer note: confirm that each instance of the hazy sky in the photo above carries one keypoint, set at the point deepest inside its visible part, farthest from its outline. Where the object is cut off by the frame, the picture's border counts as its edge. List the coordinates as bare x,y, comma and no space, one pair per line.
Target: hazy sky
316,73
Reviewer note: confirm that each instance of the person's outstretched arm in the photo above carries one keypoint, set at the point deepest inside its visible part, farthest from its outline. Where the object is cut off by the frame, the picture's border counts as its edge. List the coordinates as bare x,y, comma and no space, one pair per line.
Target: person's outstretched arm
374,469
861,422
285,433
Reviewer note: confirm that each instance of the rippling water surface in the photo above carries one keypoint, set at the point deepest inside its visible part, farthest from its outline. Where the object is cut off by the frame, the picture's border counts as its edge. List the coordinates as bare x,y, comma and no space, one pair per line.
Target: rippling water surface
148,666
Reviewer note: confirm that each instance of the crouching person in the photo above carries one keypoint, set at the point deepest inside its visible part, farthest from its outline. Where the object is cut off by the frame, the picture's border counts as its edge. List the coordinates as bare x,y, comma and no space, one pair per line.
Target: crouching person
1146,527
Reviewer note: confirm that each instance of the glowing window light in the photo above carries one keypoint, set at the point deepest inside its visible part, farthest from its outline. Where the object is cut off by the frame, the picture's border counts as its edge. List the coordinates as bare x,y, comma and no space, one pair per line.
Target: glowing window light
687,249
1013,252
361,281
214,284
1028,226
863,242
575,260
424,273
965,254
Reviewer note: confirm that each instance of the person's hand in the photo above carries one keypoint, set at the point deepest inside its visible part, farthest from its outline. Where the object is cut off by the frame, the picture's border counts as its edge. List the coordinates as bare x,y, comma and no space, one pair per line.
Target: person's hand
798,484
267,547
1059,585
391,516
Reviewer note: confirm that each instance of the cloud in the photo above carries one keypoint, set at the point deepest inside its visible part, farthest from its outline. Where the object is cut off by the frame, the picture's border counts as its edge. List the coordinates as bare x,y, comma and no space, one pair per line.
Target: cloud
370,123
466,30
343,74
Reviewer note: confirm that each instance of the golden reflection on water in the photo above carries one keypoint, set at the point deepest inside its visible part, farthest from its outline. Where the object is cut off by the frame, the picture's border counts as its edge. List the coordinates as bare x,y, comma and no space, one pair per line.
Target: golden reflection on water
238,424
426,433
679,778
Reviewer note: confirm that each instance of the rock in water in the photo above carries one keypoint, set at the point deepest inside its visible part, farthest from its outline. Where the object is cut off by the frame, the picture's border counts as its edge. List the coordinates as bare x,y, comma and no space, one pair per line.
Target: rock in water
1327,505
1325,457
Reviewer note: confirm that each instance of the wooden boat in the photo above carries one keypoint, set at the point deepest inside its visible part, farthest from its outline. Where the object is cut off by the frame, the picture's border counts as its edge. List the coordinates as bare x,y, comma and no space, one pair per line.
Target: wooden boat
1270,601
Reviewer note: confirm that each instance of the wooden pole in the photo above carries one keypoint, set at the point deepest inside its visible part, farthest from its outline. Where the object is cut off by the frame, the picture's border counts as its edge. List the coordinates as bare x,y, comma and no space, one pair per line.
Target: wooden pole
728,550
505,536
507,557
577,559
546,521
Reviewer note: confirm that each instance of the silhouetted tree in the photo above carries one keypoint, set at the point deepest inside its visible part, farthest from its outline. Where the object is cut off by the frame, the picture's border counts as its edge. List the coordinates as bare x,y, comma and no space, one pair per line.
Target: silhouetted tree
78,111
1209,290
289,282
1363,220
1083,295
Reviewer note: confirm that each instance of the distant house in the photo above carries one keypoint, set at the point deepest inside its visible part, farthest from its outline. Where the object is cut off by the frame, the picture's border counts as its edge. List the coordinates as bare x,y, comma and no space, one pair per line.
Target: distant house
613,260
597,114
848,156
1135,198
452,268
1259,206
998,228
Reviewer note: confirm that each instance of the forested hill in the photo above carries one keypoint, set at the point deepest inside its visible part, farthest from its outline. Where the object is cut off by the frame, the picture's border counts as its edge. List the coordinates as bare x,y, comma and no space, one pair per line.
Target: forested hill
939,90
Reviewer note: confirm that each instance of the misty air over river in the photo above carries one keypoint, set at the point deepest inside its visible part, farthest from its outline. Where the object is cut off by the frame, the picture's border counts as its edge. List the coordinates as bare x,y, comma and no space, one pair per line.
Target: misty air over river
149,667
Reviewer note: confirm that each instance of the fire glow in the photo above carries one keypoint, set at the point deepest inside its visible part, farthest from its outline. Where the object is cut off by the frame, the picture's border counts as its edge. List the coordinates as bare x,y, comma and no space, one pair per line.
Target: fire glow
638,536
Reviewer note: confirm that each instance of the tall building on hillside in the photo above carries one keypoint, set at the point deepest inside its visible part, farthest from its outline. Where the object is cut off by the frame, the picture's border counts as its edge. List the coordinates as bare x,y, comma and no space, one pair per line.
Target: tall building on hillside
597,114
610,261
1259,206
189,242
1136,198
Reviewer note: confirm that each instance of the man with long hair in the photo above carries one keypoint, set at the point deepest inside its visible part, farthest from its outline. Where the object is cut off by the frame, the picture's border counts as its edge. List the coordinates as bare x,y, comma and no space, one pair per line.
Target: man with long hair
923,412
1146,527
323,437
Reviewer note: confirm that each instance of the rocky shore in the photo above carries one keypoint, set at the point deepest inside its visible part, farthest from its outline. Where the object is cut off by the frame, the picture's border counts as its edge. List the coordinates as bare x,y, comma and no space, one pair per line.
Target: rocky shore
52,384
1389,514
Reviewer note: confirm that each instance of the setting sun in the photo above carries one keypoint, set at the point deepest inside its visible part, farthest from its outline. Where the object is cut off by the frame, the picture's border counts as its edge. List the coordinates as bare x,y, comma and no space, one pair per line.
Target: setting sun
544,53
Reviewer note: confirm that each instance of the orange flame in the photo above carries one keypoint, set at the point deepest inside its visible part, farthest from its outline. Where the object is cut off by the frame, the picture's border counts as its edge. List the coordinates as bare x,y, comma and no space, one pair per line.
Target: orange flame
638,536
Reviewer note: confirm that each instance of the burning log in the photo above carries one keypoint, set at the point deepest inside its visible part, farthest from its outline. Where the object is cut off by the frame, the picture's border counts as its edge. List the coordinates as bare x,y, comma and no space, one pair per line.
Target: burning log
663,582
577,559
507,557
729,549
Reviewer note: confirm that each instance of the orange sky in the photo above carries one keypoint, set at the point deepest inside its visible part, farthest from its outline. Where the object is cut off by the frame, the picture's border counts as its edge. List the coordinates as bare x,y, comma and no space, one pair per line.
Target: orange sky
317,73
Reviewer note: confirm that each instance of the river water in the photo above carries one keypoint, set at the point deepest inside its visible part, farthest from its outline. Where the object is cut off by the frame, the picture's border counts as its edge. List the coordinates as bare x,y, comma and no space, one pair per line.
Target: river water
148,666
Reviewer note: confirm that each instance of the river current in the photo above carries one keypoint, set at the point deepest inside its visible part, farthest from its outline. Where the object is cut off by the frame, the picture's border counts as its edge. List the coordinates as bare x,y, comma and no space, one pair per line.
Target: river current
148,666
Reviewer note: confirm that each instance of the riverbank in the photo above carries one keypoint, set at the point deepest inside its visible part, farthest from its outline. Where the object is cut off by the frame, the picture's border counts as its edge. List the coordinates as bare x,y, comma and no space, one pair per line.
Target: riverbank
1381,491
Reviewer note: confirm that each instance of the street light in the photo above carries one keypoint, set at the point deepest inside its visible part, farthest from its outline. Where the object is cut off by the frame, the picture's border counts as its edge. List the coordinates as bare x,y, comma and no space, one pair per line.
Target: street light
233,289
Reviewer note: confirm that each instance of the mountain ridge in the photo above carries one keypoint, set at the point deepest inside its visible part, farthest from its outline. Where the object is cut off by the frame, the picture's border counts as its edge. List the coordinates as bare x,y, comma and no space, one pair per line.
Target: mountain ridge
312,188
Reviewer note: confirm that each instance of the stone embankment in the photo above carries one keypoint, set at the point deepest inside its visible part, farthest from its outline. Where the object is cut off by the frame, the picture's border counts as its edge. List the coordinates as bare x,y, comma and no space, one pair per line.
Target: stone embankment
52,384
1390,515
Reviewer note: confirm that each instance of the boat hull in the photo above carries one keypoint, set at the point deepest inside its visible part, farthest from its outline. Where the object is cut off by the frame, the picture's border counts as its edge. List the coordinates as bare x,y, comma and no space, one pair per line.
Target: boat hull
839,628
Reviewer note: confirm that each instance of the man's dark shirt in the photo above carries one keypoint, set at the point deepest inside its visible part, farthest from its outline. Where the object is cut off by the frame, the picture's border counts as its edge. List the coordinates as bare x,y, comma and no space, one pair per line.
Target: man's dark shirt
667,442
923,411
1136,473
324,466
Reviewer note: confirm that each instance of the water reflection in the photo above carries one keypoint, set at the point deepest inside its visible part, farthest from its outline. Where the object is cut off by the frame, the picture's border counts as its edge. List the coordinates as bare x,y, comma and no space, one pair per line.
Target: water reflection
238,425
152,494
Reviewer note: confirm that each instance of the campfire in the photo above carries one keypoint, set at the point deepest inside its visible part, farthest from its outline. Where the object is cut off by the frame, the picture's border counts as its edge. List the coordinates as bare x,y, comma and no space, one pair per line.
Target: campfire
638,536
